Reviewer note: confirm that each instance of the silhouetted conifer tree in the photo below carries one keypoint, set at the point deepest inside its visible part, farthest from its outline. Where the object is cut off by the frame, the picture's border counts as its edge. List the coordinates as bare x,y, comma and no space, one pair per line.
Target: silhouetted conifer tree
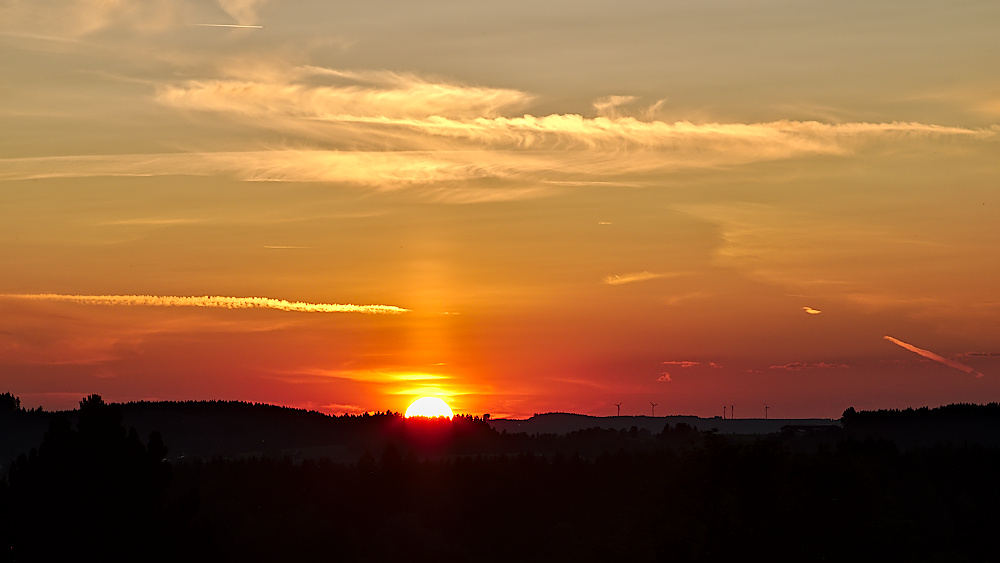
91,493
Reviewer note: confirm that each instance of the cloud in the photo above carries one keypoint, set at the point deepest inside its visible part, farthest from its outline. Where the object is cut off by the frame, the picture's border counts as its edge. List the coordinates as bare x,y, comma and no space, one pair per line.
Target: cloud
682,364
811,311
631,278
456,142
78,18
381,169
149,222
608,106
243,11
387,129
799,366
664,377
934,357
410,112
681,144
379,97
206,301
677,299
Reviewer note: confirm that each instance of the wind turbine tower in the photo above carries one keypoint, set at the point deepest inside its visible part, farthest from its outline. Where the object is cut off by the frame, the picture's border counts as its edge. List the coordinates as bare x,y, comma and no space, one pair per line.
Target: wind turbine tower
765,410
732,411
619,405
652,409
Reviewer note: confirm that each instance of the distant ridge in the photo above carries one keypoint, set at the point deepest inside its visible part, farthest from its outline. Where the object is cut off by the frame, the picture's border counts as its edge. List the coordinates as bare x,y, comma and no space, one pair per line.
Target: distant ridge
564,423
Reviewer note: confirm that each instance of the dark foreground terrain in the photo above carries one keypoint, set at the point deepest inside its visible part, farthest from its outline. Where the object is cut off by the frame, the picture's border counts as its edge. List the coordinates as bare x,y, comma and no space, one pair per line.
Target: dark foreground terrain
915,485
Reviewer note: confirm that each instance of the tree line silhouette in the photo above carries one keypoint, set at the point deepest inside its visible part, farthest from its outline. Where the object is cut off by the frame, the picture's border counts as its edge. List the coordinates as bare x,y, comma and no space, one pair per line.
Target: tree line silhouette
434,489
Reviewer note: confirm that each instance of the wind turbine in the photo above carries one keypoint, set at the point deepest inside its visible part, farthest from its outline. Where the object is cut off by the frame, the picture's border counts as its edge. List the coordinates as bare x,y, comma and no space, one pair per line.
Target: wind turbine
765,410
619,405
652,410
723,412
732,411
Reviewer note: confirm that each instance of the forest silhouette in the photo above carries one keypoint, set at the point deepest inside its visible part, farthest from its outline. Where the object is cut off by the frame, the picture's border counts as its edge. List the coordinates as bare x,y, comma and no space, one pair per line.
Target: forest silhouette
912,485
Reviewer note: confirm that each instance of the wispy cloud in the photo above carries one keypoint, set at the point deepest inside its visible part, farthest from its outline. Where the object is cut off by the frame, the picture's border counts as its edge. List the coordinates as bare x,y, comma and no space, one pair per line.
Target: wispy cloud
934,357
800,366
664,377
243,11
149,222
675,300
407,112
207,301
377,169
379,97
811,311
609,106
683,364
632,278
388,130
78,18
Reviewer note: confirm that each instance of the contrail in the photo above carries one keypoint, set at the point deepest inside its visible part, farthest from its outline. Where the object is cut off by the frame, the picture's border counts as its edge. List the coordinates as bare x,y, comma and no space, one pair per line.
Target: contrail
207,301
228,25
932,356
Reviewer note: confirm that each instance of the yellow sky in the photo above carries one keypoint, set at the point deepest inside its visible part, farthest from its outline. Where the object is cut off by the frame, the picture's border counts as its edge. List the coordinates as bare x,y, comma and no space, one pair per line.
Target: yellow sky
560,206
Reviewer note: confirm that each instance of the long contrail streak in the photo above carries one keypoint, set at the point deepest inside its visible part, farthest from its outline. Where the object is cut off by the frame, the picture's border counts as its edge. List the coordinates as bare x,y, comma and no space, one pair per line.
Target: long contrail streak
210,301
229,25
935,357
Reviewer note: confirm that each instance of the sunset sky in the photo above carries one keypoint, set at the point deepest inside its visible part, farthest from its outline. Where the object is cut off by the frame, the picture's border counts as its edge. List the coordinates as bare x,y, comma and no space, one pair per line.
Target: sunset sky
519,207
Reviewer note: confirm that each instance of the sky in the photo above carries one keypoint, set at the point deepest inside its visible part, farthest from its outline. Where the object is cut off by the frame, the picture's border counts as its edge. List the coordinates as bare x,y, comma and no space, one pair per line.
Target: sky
518,207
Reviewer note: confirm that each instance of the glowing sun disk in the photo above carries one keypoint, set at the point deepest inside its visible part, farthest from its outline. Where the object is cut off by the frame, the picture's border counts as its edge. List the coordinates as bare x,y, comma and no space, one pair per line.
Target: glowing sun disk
429,407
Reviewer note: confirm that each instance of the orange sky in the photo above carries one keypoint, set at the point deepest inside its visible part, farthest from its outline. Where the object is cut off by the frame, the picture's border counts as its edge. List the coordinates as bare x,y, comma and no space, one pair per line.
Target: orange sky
520,208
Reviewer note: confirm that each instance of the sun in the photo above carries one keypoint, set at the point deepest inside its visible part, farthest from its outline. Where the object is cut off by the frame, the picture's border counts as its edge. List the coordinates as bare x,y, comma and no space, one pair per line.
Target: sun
429,407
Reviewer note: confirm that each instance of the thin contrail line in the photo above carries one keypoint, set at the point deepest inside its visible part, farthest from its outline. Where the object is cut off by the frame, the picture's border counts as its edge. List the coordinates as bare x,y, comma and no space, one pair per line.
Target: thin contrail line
210,301
228,25
935,357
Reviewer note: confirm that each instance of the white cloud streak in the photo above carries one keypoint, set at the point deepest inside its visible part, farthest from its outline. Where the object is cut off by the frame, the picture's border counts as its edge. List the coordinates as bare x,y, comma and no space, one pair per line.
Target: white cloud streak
386,98
799,366
229,25
811,311
934,357
632,278
377,169
208,301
